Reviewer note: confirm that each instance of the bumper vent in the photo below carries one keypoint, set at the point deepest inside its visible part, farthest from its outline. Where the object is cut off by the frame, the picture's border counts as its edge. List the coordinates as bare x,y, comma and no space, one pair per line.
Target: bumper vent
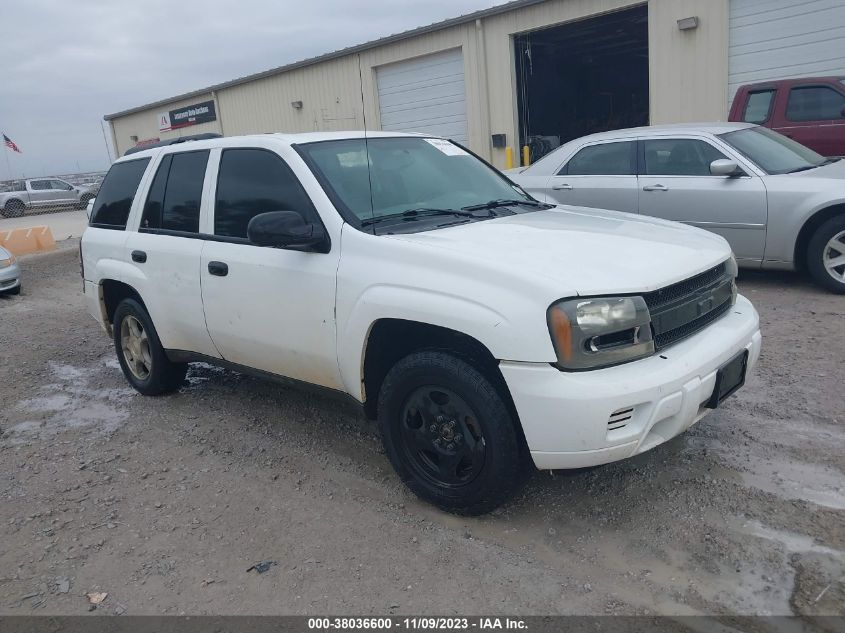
619,418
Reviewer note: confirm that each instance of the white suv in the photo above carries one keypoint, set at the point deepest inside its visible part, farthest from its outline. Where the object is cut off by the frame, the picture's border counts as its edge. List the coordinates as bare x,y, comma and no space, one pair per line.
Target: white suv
482,329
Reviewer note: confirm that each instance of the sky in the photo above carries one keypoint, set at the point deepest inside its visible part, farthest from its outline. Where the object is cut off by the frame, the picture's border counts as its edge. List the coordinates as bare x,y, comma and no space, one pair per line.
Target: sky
63,65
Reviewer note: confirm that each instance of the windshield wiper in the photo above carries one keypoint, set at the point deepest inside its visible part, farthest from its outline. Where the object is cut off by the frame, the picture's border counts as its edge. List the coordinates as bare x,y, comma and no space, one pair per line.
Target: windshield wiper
494,204
827,161
421,212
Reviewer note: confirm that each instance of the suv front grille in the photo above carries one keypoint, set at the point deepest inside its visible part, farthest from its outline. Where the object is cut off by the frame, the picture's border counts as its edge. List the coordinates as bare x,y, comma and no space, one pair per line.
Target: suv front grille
687,307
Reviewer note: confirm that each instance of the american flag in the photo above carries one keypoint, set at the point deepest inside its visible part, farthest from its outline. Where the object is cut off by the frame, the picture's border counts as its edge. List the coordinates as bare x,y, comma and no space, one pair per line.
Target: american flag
11,144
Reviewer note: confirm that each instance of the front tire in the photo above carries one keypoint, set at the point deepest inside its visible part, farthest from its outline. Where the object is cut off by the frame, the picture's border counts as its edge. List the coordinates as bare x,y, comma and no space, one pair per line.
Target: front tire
140,353
826,254
449,434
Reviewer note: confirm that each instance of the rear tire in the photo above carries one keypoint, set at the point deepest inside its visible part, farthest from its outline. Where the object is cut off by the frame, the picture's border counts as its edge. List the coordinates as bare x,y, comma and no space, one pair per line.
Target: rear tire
13,209
826,255
140,353
449,434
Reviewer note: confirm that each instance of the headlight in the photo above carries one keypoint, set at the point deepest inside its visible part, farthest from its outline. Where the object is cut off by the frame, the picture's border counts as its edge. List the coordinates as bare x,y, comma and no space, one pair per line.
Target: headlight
598,332
5,263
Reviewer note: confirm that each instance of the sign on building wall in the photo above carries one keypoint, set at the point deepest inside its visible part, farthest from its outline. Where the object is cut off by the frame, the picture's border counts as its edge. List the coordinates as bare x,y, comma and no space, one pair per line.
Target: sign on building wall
189,115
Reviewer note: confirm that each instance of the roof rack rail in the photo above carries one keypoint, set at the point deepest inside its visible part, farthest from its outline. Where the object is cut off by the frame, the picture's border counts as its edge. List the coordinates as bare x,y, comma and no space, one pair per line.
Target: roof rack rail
173,141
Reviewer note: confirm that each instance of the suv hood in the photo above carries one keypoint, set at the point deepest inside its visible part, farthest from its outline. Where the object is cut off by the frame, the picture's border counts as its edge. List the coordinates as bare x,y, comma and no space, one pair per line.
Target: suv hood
582,251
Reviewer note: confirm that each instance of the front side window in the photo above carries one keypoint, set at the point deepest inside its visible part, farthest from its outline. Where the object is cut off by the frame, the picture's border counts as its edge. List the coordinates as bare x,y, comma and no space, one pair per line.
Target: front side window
410,179
253,181
606,159
772,152
679,157
758,106
60,185
173,203
815,103
114,200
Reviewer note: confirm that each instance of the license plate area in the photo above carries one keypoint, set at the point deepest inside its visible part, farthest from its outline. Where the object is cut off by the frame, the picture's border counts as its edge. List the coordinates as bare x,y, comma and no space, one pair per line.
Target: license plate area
729,378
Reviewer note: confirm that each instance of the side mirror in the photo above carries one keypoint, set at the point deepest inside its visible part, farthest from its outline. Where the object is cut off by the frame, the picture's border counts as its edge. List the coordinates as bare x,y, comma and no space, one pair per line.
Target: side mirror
725,167
89,207
287,229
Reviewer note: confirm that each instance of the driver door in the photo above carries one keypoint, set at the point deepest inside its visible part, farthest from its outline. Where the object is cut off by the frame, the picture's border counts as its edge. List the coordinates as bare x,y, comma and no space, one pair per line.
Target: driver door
270,309
676,184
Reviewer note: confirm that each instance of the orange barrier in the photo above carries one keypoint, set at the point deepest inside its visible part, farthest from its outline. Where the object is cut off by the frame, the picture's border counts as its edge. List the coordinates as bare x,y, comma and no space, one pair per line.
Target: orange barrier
35,239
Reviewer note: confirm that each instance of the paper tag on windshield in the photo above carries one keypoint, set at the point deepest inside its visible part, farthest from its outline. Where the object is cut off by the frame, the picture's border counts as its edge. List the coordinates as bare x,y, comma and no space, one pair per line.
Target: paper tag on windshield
448,148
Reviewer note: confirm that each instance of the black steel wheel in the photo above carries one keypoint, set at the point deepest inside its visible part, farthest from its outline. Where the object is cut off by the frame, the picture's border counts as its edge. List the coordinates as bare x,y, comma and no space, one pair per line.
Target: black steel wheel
448,433
441,437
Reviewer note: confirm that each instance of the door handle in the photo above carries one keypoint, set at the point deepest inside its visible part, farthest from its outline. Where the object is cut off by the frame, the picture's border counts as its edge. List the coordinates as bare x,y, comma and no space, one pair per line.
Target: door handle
218,269
139,256
562,187
655,188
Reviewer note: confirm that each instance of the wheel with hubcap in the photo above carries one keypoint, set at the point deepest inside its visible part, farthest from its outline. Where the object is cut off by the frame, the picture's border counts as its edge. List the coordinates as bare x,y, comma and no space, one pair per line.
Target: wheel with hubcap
826,254
13,209
139,351
448,433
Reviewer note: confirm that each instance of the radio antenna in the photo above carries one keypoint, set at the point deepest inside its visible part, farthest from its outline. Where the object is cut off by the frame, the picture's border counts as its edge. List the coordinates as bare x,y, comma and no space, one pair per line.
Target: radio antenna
366,142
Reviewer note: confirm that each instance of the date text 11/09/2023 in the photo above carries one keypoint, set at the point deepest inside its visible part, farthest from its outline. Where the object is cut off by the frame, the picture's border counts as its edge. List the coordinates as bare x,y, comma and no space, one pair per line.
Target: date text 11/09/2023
415,623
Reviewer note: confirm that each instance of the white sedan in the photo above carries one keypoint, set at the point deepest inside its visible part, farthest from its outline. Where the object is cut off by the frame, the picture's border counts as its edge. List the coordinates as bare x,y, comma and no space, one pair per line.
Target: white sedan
779,204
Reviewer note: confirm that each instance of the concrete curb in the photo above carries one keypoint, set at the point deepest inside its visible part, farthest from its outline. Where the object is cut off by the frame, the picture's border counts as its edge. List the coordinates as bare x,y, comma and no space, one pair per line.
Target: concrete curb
36,239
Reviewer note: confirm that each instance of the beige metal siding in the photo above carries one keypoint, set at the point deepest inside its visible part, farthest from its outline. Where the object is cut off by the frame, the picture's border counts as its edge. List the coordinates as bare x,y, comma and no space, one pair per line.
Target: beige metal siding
687,72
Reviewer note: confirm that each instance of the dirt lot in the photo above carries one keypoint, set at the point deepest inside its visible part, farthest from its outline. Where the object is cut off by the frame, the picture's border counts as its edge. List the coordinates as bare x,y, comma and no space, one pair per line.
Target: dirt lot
165,502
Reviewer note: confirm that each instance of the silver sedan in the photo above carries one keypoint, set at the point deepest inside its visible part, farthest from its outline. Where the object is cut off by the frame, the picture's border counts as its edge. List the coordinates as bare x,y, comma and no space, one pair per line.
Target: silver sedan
779,204
10,273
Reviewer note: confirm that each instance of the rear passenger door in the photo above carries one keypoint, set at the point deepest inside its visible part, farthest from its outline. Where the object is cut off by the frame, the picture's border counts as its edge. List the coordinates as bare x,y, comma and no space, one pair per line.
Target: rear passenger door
601,175
815,117
165,252
268,308
40,193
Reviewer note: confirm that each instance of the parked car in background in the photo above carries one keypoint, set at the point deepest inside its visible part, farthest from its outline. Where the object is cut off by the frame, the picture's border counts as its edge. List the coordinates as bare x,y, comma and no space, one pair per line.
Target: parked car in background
779,204
810,110
10,273
42,193
483,329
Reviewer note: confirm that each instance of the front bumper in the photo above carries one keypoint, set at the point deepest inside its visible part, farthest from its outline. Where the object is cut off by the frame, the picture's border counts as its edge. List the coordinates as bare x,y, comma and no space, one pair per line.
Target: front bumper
568,417
10,278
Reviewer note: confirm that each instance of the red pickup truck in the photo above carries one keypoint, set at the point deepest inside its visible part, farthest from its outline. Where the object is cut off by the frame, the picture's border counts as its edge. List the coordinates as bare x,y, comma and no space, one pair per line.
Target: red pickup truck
810,110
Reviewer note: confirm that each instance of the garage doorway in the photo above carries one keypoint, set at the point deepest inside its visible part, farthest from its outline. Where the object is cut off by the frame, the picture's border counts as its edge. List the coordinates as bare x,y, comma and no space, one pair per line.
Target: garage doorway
580,78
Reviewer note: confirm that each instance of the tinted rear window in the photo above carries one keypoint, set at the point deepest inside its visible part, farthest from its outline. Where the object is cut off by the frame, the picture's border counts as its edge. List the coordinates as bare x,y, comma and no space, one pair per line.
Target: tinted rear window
174,199
111,210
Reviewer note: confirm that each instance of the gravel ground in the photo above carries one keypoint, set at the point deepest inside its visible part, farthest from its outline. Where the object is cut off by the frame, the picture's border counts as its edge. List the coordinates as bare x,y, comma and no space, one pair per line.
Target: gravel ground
163,503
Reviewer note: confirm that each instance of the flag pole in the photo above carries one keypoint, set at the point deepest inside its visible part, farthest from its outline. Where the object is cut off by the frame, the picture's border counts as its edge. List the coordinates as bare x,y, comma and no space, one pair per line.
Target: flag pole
8,166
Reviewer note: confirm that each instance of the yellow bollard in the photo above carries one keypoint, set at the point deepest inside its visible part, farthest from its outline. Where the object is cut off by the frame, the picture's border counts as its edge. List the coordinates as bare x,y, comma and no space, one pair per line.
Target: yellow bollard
526,156
509,158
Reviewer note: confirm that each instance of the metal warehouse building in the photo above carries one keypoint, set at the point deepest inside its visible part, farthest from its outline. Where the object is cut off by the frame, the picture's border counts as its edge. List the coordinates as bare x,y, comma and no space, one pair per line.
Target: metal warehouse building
530,72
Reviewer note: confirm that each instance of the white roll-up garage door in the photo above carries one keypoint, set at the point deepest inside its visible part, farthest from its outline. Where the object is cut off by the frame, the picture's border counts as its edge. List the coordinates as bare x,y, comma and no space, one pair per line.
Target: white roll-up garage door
425,94
780,39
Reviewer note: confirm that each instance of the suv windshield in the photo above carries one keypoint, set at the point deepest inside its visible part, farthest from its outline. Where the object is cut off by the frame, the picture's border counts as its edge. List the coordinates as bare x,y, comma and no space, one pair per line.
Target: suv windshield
411,181
773,152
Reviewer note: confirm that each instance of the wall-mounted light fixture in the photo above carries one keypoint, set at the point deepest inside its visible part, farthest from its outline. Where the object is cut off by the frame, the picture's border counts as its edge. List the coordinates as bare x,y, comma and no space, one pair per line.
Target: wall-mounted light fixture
297,105
688,24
